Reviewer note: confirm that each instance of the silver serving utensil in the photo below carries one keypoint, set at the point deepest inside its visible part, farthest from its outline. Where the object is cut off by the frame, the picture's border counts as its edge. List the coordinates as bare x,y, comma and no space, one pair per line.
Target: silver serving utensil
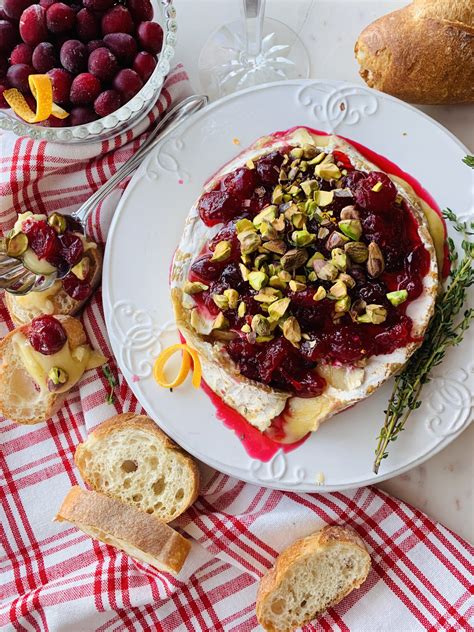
17,279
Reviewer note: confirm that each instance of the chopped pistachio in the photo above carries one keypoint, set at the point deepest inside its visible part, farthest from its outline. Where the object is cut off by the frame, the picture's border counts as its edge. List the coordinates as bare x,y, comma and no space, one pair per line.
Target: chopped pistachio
278,246
348,280
244,271
320,294
267,295
327,171
338,290
267,231
264,338
232,297
336,240
339,258
243,225
314,257
58,223
58,375
277,309
194,287
323,232
350,212
292,330
257,279
303,166
241,309
352,228
300,277
342,305
246,329
221,301
312,276
309,186
277,195
292,173
309,150
323,198
317,159
310,208
283,176
279,223
247,259
222,251
296,286
306,336
298,220
220,322
375,262
296,153
276,282
294,190
294,259
374,314
302,238
81,270
249,242
378,186
266,215
328,272
250,164
398,297
284,275
261,325
357,251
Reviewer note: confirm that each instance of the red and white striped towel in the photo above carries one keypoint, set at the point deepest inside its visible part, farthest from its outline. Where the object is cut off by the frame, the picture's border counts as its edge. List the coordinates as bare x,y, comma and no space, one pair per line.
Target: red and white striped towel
53,578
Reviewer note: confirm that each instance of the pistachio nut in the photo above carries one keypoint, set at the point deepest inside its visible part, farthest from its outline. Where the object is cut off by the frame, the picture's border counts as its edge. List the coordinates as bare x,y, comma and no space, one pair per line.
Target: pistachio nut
327,171
277,283
249,242
357,251
347,279
284,276
342,305
350,212
244,271
294,259
250,164
279,223
220,322
267,295
338,290
222,251
264,338
296,153
283,177
309,186
336,240
301,278
242,225
309,151
267,214
232,298
241,309
375,262
317,159
261,325
357,309
277,309
319,294
378,186
17,245
277,195
194,287
58,223
328,272
323,232
260,261
257,279
278,246
351,228
298,220
292,330
221,301
312,276
318,265
374,314
58,376
267,231
296,286
314,257
302,238
294,190
398,297
323,198
339,258
292,173
81,270
246,328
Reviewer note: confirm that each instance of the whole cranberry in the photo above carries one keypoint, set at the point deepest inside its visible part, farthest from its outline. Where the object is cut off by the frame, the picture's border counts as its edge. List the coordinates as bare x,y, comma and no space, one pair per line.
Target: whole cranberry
98,5
8,36
21,54
102,64
141,10
33,25
14,8
60,18
117,20
17,77
75,288
61,80
71,248
376,192
46,335
44,57
128,83
150,37
81,115
73,56
144,64
85,89
3,103
107,102
87,25
123,46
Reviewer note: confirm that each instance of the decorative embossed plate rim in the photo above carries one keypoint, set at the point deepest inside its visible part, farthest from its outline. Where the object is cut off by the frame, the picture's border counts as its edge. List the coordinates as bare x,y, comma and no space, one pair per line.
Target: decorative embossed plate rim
147,227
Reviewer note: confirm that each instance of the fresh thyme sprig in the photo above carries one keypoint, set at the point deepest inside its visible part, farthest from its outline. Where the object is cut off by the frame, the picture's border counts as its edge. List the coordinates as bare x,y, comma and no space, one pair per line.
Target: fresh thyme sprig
445,330
112,383
469,160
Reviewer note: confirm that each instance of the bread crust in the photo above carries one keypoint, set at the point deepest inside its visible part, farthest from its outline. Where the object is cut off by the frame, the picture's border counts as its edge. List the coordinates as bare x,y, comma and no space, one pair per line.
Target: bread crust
301,548
423,53
53,402
118,522
139,422
62,303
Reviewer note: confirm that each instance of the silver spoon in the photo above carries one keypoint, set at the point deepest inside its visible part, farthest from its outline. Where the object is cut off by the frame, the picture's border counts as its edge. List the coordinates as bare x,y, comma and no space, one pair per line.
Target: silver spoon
17,279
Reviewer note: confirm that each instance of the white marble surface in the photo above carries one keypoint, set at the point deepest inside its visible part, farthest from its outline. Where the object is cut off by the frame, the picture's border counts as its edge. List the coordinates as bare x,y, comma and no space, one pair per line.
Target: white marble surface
441,487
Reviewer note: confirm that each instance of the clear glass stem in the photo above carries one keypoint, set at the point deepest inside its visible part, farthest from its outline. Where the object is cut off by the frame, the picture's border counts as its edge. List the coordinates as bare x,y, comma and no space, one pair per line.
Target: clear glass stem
253,12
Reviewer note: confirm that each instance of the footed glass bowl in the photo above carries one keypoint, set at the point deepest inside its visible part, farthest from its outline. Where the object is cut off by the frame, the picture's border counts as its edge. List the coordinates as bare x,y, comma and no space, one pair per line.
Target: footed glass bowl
126,116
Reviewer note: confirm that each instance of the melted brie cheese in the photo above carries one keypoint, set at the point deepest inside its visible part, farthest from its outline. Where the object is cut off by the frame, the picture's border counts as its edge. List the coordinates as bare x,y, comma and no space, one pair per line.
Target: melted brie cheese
39,301
74,362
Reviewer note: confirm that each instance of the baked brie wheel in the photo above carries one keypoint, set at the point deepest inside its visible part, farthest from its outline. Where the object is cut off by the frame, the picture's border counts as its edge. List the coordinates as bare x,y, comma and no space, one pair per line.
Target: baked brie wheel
305,278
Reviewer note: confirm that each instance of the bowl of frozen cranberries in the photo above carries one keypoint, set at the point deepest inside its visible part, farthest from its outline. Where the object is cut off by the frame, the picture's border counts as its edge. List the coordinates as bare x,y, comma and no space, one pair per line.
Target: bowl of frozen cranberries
101,55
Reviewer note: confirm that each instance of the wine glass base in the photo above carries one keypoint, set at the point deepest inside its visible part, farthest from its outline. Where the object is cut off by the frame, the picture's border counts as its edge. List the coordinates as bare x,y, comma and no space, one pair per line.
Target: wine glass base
225,67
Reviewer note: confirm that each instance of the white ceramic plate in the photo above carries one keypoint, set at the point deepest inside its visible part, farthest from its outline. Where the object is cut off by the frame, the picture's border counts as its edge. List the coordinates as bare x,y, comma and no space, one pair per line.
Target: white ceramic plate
146,231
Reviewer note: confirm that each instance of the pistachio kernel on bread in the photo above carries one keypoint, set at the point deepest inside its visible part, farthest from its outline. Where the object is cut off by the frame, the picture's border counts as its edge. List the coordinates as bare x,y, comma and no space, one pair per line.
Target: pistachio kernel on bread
311,575
128,457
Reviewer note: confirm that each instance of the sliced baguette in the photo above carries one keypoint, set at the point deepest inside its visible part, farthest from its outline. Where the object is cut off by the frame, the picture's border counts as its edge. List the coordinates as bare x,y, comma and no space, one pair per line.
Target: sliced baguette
130,458
311,575
143,537
22,311
21,400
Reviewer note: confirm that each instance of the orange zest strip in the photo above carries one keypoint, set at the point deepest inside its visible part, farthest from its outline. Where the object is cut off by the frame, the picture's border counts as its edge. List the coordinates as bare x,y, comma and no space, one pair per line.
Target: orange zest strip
42,91
188,355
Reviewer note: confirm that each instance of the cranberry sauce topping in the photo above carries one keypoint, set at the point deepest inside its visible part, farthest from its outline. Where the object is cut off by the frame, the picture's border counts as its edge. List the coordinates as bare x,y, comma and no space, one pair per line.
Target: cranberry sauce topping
46,335
315,262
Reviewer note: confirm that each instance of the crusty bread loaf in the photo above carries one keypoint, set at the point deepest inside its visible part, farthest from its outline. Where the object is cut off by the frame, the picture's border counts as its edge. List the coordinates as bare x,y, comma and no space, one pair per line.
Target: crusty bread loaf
423,53
311,575
60,302
20,399
130,458
143,537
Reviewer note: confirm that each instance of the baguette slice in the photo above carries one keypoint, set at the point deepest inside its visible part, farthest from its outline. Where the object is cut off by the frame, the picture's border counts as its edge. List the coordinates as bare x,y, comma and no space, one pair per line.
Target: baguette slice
311,575
130,458
21,400
23,309
145,538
